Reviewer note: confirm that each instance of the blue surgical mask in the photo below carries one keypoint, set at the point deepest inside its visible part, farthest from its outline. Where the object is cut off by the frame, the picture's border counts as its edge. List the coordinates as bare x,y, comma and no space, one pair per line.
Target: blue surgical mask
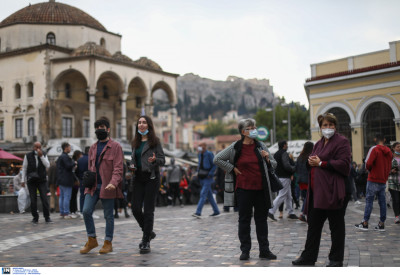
397,153
143,133
253,134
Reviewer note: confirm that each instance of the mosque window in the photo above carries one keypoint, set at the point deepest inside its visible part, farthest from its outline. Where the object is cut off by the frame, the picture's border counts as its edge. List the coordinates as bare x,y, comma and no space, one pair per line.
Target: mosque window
105,92
30,89
18,128
67,127
17,91
1,129
67,90
31,127
1,94
51,38
103,42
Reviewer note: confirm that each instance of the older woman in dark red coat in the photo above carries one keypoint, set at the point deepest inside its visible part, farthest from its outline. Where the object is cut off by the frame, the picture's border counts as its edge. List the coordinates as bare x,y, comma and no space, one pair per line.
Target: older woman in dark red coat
330,164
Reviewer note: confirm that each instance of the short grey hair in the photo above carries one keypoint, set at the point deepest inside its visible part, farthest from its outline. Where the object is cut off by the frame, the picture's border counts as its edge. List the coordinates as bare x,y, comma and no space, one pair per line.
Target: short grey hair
244,123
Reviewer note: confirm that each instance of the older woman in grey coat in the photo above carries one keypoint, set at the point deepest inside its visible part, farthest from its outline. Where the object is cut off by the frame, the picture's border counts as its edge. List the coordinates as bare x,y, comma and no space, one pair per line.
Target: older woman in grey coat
246,163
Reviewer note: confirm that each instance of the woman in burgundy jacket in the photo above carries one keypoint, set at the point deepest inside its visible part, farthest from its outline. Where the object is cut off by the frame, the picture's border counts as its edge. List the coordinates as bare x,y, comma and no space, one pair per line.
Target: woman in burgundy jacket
330,164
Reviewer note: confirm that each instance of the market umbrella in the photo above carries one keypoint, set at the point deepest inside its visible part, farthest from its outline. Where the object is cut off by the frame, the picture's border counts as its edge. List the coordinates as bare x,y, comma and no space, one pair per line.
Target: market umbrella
7,156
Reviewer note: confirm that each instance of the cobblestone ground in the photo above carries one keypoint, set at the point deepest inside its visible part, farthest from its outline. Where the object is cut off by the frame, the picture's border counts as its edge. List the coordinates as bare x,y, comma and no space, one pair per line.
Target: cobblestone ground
184,241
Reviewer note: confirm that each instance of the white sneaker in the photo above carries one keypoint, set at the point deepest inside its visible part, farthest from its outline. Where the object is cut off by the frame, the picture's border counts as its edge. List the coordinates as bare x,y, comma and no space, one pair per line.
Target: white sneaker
67,217
95,216
74,215
357,202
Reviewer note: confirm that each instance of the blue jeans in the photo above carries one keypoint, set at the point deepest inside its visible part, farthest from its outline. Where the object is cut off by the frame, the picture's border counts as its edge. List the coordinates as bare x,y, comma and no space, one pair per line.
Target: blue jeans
81,196
64,201
374,188
88,208
206,193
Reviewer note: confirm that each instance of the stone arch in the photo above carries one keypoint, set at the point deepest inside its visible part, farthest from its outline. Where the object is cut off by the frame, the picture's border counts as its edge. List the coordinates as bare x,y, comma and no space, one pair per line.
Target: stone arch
77,83
364,105
30,89
137,93
162,85
17,91
325,108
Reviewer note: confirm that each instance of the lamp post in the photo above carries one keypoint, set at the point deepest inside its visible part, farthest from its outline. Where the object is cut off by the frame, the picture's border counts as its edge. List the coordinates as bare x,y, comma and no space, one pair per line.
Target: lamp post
288,121
273,136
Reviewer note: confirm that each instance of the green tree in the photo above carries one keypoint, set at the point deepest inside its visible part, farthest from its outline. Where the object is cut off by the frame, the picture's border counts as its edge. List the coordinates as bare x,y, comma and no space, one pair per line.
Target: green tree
299,116
214,129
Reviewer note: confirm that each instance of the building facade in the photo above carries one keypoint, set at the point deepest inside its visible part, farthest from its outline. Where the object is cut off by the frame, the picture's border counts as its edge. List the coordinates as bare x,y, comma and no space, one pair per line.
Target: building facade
363,92
61,69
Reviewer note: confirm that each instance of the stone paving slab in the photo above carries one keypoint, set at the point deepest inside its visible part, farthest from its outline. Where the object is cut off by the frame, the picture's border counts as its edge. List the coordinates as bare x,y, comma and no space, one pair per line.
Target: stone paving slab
185,241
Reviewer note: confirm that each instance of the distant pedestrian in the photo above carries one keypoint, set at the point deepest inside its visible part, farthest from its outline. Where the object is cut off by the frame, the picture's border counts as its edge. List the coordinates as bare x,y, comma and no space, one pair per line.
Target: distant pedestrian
284,170
302,171
246,163
394,181
378,163
52,179
73,204
34,173
326,194
106,159
147,157
65,180
82,167
22,193
205,174
175,174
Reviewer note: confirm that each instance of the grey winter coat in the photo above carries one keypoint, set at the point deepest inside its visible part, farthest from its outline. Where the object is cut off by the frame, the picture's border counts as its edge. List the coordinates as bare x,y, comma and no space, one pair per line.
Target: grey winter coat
226,161
147,152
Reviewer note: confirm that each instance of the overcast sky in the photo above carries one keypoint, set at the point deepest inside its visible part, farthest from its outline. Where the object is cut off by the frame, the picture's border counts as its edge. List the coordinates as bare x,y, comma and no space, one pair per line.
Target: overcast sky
277,40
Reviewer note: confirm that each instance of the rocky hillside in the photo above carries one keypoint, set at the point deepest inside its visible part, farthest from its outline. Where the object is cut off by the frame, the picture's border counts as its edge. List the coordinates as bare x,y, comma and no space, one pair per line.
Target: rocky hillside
200,97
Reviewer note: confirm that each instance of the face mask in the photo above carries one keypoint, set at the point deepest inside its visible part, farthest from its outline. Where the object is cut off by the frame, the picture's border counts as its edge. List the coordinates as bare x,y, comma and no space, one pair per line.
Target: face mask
253,134
200,149
101,134
328,132
143,133
397,153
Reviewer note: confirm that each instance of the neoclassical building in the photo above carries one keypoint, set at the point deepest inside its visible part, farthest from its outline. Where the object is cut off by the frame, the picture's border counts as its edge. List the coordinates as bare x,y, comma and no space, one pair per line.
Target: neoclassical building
363,91
60,69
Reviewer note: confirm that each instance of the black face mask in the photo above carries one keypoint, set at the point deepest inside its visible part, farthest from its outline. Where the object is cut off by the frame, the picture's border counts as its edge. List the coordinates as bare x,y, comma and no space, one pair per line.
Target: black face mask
101,134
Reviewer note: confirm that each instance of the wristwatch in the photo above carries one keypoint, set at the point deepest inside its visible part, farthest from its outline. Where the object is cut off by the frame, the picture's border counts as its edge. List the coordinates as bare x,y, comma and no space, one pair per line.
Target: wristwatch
320,163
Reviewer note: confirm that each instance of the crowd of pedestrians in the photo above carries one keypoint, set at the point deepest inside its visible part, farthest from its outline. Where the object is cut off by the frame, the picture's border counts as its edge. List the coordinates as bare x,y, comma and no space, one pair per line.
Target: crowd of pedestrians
322,179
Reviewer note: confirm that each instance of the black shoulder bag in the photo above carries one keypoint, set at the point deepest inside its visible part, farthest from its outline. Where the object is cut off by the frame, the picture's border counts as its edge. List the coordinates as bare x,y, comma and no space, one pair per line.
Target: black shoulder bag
89,177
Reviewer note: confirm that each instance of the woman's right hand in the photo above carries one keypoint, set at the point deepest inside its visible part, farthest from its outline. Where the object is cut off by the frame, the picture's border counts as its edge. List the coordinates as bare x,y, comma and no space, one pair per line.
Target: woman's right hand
237,172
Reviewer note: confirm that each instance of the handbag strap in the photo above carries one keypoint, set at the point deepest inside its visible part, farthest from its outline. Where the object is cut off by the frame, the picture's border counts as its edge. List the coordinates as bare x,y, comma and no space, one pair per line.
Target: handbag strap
101,157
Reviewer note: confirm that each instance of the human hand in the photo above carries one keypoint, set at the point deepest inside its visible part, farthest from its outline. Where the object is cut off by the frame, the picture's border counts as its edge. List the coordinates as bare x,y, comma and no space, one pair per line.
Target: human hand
314,161
237,172
110,187
39,152
153,158
265,154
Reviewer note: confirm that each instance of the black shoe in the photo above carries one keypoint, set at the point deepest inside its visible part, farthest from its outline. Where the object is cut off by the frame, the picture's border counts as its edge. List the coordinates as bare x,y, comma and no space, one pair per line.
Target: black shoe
334,264
301,261
52,210
271,217
244,256
215,215
145,248
303,218
48,220
35,221
116,216
152,236
267,255
293,217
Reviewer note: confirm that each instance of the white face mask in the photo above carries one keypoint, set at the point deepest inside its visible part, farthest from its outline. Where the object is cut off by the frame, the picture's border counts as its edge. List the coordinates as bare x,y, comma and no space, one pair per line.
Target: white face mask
200,149
328,132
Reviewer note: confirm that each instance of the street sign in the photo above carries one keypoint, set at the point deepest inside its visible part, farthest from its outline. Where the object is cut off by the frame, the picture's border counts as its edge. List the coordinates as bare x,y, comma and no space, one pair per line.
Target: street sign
263,133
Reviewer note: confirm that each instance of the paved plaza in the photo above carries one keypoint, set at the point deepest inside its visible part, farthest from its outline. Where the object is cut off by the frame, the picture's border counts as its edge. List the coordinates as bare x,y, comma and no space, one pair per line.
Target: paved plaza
184,241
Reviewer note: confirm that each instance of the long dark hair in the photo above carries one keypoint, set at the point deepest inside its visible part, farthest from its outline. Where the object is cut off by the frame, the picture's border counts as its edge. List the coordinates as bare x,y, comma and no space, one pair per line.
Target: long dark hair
307,149
152,139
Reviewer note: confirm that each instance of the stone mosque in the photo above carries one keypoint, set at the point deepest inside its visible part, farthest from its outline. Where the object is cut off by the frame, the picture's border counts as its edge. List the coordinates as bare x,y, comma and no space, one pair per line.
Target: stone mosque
61,69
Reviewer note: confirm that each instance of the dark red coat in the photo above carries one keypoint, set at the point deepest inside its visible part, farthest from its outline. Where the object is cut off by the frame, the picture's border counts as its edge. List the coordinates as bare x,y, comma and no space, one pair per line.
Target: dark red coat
329,186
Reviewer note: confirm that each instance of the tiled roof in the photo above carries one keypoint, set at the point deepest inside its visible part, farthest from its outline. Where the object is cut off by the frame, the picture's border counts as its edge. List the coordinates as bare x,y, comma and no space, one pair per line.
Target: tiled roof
145,62
91,48
52,13
121,57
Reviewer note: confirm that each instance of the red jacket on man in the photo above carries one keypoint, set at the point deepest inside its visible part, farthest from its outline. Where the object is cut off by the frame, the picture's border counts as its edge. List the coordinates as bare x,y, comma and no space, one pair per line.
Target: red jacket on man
379,163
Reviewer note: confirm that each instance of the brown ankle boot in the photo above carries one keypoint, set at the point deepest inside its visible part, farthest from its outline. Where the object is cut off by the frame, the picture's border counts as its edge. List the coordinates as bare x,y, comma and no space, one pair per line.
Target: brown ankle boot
91,243
107,247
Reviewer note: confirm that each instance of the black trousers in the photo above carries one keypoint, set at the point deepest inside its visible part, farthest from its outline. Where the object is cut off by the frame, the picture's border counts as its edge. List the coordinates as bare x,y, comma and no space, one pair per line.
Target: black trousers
396,201
175,192
145,191
73,204
42,187
247,201
316,219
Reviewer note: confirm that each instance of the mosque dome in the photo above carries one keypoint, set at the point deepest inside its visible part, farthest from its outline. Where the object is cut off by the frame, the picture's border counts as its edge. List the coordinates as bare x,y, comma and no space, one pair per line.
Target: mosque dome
52,12
91,48
148,63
